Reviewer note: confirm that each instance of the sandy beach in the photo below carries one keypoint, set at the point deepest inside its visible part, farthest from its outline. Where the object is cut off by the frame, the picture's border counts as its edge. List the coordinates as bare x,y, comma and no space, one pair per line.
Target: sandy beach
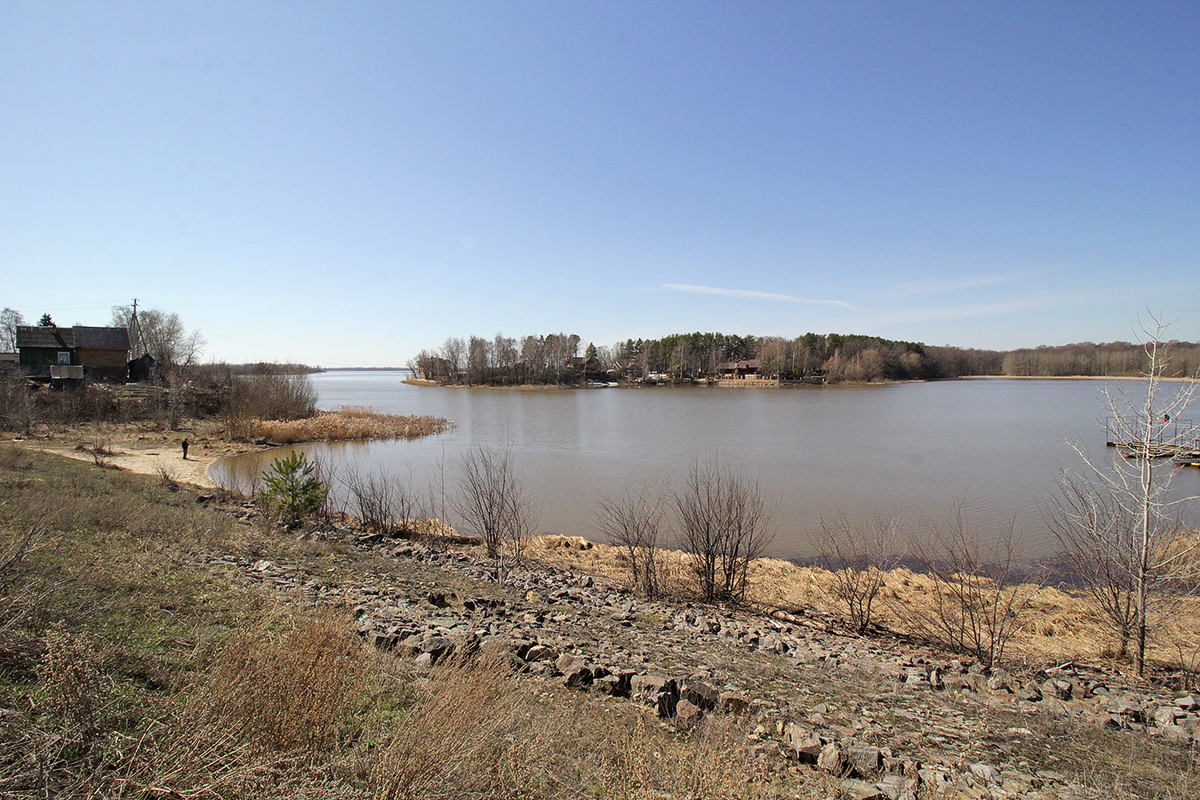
146,452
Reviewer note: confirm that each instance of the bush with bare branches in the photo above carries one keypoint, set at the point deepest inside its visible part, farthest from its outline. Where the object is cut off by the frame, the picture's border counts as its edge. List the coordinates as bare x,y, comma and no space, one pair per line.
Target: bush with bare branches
858,560
492,502
381,501
724,526
633,524
979,590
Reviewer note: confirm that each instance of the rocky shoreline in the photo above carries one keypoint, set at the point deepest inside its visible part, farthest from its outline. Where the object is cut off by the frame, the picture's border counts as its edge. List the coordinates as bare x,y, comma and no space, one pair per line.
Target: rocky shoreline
885,717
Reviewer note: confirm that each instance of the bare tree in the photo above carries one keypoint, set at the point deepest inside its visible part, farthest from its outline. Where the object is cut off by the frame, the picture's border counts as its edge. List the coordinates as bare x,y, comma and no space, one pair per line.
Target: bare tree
1126,517
162,335
1096,538
633,523
724,525
492,502
9,320
858,561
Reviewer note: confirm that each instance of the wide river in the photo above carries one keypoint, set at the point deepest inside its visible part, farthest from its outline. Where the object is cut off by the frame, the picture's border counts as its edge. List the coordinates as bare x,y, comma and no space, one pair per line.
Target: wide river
915,452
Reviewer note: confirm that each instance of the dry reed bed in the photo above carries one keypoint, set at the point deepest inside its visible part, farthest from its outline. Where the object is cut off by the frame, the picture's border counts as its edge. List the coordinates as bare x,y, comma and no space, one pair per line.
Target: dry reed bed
346,424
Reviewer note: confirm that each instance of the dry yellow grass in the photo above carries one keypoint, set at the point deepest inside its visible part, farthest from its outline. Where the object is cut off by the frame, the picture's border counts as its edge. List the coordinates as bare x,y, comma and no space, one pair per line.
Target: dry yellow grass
345,424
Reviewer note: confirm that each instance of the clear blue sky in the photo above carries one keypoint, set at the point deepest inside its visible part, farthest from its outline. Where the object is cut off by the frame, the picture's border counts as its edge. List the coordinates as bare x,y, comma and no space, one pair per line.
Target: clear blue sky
345,183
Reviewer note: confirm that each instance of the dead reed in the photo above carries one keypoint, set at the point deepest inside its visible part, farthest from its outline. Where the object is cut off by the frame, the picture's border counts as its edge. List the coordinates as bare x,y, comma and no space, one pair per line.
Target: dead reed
346,424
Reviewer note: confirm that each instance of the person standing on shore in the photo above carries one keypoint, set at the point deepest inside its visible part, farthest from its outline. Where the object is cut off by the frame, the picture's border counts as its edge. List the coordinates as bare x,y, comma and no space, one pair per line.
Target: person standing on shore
185,447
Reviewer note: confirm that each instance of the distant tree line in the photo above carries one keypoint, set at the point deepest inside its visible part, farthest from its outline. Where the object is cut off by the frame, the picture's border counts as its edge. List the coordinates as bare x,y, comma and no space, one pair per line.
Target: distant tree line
1118,359
694,357
830,358
505,361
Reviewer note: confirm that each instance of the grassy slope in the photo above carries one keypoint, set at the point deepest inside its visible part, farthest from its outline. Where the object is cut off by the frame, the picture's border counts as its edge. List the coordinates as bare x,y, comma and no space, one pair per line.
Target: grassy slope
126,671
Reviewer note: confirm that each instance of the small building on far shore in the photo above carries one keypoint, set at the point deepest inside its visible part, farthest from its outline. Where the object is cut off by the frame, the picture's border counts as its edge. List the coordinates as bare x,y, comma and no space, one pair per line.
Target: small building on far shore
745,373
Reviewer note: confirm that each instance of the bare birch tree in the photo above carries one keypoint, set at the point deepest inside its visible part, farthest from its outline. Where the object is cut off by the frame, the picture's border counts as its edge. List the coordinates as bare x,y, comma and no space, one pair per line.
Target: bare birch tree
1126,520
9,320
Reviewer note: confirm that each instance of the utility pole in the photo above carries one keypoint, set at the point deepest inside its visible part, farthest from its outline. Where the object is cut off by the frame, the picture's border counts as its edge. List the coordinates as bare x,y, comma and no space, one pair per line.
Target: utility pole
137,332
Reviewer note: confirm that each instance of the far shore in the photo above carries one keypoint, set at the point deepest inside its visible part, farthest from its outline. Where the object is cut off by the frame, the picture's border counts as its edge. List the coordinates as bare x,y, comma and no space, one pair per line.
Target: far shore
528,387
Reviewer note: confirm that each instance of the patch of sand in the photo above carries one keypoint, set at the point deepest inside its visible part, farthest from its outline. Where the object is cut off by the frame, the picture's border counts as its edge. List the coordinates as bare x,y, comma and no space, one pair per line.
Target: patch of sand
141,451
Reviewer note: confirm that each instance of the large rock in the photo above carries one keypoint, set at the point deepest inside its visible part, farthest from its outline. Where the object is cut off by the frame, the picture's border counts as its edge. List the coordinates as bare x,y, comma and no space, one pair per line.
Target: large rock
666,701
566,664
648,685
853,789
733,703
864,759
614,685
687,713
803,743
578,678
438,648
700,694
832,759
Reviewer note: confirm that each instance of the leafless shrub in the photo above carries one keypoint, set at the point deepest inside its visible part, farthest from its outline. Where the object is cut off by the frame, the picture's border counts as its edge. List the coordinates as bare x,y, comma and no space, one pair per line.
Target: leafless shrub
858,560
724,525
99,451
167,480
978,590
331,473
16,549
16,403
381,502
492,502
632,523
271,396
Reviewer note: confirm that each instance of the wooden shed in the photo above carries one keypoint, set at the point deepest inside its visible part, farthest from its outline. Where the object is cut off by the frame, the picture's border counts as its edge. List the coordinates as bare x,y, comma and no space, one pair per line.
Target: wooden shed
103,353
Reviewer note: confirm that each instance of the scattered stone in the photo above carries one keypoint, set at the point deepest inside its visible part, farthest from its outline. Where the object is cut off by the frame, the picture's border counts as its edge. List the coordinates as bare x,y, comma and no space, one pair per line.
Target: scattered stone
578,678
854,789
700,694
986,772
687,713
864,759
805,745
832,759
733,703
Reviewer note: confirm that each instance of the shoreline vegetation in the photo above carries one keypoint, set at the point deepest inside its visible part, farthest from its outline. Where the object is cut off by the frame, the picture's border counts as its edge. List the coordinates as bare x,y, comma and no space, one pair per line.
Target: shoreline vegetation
349,423
734,360
221,410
